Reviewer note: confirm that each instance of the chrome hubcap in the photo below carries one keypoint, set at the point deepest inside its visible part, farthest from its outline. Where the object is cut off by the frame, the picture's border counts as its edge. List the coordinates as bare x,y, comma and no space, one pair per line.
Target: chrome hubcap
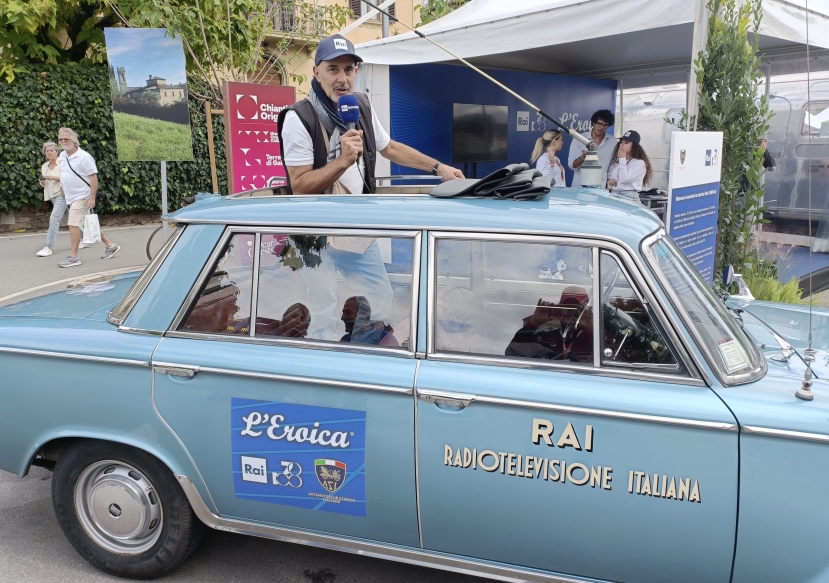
118,507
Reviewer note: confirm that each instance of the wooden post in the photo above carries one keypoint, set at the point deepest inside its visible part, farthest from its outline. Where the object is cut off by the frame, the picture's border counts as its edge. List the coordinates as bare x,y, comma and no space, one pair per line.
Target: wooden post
210,147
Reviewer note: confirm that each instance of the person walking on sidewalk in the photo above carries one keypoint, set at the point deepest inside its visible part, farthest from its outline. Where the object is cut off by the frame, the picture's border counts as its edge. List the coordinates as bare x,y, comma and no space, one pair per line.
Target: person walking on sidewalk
50,181
79,181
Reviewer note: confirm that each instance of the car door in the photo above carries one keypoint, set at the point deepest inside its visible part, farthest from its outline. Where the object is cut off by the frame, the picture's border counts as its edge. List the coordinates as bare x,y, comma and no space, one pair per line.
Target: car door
551,439
288,376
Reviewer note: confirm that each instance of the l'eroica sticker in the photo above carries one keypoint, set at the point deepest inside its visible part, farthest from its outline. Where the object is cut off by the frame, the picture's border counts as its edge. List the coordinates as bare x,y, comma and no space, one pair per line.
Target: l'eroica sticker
299,455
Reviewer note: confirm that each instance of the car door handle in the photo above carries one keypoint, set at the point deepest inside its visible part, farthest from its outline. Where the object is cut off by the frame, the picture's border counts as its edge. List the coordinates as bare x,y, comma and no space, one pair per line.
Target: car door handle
176,370
461,400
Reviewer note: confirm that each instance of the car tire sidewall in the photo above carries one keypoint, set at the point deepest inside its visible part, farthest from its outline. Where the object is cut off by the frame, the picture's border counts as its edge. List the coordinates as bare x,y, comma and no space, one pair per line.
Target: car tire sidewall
180,529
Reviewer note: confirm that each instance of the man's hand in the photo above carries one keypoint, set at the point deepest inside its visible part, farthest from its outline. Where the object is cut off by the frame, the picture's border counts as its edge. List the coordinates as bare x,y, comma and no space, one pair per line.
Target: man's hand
351,143
90,203
543,313
447,172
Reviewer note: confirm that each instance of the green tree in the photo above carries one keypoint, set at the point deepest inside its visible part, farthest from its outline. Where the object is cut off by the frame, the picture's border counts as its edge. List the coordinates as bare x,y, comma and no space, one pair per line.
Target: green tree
225,38
729,75
433,9
51,31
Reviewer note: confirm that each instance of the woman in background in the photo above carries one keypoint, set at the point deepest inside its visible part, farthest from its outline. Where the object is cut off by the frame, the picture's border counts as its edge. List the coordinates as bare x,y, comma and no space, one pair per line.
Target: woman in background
630,170
50,181
545,154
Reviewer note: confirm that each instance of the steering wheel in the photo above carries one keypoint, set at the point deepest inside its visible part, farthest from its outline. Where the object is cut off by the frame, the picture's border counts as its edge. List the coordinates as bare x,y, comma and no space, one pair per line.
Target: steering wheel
621,323
574,320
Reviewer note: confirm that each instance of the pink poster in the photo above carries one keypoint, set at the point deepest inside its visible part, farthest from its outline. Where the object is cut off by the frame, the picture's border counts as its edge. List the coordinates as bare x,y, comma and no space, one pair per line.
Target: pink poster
254,155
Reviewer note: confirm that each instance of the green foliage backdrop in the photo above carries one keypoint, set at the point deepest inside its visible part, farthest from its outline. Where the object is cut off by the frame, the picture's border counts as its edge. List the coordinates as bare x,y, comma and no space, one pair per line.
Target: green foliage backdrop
77,95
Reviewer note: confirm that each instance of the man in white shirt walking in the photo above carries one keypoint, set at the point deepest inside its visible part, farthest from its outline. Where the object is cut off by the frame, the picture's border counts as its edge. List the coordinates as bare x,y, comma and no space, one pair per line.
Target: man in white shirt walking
79,181
601,120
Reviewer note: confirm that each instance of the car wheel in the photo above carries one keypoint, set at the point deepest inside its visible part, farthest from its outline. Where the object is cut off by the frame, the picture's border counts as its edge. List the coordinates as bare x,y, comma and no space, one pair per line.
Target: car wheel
122,510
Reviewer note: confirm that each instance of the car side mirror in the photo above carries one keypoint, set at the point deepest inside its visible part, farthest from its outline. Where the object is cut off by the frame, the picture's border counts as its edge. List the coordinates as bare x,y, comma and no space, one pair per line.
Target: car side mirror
728,276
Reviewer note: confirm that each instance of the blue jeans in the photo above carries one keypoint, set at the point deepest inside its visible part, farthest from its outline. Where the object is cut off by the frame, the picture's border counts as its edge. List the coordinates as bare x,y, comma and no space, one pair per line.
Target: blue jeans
59,211
364,272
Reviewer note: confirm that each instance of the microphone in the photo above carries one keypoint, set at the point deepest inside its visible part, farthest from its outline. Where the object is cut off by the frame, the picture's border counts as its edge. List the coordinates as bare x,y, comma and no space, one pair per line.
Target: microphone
349,109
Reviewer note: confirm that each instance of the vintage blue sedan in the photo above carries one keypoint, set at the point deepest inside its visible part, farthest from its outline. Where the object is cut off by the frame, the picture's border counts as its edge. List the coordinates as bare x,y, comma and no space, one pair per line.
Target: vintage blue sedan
533,391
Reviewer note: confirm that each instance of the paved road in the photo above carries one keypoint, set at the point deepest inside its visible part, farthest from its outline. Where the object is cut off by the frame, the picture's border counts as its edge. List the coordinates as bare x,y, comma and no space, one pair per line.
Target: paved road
32,547
21,269
33,550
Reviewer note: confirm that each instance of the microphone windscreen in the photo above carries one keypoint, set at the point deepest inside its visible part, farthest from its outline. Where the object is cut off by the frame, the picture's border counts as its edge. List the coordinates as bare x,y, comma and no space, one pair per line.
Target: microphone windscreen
349,109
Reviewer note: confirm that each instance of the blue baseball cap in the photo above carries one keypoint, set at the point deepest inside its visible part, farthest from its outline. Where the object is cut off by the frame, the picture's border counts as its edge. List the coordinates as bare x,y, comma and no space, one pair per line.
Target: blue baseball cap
335,46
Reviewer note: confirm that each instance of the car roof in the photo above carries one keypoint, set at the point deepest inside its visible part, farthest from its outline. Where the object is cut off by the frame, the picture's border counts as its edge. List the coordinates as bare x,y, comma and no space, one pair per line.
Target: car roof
564,211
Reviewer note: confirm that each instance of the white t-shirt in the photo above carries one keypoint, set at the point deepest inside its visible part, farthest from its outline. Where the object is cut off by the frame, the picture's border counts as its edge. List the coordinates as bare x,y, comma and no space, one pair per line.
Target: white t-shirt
605,152
556,170
84,164
628,174
298,149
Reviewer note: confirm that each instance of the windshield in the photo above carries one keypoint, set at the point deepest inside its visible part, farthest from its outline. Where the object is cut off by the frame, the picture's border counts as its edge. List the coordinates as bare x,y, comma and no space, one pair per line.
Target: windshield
730,350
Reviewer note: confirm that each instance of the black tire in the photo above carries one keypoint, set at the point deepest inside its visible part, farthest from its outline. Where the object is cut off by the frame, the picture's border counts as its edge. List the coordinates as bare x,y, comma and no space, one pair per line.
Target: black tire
89,509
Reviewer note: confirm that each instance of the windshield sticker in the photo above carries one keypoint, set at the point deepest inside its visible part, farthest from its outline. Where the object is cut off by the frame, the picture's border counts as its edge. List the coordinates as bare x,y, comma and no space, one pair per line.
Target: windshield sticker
299,455
733,356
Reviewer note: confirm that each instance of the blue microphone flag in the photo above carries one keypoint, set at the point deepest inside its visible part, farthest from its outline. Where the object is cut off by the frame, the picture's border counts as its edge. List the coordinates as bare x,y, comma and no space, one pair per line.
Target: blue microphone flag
349,109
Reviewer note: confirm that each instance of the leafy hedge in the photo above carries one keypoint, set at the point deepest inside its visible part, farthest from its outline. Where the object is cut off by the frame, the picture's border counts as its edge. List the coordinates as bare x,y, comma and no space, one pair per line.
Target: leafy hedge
76,95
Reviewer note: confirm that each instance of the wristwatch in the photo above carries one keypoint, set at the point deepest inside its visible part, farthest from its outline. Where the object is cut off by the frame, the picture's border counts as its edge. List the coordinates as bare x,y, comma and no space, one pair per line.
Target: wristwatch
435,169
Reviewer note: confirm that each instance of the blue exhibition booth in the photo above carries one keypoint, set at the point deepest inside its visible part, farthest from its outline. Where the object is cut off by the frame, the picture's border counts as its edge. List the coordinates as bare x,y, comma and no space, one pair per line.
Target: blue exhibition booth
425,100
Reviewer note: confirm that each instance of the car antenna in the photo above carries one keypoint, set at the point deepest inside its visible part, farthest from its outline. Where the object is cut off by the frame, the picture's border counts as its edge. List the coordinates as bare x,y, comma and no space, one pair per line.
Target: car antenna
572,133
805,390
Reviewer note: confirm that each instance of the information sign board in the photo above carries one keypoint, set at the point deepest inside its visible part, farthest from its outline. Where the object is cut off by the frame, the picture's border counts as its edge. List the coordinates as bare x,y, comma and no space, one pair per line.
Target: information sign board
694,196
254,154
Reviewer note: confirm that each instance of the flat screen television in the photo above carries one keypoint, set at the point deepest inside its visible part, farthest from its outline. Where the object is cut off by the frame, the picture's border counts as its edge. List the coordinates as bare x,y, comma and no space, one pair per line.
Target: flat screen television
479,133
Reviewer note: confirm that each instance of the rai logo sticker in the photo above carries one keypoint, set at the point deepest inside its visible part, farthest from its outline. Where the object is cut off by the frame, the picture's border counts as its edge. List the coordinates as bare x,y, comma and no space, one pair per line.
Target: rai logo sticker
299,455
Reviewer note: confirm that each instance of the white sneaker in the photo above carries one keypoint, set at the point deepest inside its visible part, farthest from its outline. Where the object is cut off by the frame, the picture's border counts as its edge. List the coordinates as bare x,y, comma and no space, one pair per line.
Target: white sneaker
45,252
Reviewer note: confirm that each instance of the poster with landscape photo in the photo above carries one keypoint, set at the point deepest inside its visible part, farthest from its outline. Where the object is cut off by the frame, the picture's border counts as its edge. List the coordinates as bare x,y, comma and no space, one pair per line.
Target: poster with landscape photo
148,85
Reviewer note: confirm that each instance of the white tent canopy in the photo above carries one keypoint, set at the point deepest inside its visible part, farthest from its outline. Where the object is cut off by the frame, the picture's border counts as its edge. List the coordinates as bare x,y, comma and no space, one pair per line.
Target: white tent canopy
586,37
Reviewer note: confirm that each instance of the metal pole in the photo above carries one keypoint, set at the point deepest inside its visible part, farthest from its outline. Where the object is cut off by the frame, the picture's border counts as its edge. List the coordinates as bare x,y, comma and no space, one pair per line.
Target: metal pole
620,125
164,229
211,149
701,16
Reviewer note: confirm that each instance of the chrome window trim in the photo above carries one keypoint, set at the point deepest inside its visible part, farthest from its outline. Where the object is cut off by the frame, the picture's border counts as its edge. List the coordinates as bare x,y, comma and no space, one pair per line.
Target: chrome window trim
367,548
694,375
284,378
725,378
597,301
785,433
140,331
330,345
143,281
69,356
254,283
714,425
231,230
534,364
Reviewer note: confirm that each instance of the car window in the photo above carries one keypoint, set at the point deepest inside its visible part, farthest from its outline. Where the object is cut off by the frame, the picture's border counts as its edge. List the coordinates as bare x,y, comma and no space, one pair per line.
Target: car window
724,339
514,299
629,335
344,289
222,306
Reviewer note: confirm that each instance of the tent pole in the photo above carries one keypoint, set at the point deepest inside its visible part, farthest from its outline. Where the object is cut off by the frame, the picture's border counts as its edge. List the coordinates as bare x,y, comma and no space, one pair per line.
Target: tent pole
701,15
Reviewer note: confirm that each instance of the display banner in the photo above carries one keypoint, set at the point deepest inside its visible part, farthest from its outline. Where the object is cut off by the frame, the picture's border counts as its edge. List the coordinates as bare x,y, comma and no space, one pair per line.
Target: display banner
299,455
148,87
254,154
694,196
